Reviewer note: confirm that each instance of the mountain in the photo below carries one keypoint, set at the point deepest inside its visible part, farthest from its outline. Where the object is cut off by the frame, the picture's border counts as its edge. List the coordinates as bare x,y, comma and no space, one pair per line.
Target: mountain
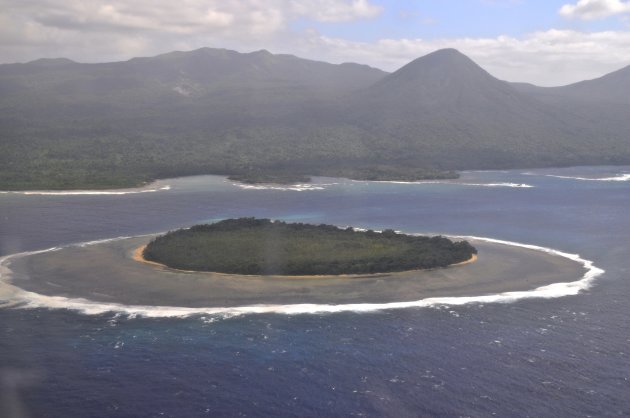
611,88
599,107
443,72
205,82
445,110
194,73
179,91
121,123
65,124
445,83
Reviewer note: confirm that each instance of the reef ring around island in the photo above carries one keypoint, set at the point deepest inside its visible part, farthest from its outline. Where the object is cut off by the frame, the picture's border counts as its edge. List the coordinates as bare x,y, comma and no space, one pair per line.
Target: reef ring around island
107,279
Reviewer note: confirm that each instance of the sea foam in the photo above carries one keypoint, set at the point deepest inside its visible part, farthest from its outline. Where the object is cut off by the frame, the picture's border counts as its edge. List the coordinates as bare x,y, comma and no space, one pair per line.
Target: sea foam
619,177
13,296
454,183
289,187
323,186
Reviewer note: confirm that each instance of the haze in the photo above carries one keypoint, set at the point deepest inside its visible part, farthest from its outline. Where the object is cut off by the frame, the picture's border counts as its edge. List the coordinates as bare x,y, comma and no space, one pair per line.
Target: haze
546,43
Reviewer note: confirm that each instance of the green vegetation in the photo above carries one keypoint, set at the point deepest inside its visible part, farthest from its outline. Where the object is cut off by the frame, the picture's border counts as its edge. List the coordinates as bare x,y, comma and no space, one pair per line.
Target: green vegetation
260,117
62,158
381,172
261,246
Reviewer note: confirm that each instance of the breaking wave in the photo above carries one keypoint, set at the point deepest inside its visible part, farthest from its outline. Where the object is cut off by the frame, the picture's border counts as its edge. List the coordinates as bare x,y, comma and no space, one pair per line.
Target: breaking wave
291,187
323,186
517,185
457,183
619,177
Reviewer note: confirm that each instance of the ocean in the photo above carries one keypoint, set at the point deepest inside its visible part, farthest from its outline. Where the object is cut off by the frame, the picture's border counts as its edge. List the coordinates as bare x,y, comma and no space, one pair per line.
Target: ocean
539,357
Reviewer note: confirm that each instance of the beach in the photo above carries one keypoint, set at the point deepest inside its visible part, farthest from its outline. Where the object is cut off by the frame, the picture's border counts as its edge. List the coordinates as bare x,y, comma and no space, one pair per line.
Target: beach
110,272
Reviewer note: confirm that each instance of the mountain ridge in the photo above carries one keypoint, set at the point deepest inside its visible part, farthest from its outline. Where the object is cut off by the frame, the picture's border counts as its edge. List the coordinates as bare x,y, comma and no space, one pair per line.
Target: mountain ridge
67,124
609,88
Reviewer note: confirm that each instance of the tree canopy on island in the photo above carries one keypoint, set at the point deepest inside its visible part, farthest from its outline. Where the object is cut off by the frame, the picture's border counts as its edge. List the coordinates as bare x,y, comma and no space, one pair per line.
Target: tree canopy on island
265,247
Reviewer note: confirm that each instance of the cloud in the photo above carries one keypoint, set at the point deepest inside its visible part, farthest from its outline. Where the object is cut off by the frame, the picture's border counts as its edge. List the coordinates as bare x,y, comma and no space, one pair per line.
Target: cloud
503,3
166,16
91,31
103,30
594,9
553,57
185,16
417,17
334,10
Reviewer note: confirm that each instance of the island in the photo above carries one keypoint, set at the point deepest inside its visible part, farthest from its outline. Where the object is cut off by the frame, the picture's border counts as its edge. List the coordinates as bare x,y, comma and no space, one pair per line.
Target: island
264,247
115,272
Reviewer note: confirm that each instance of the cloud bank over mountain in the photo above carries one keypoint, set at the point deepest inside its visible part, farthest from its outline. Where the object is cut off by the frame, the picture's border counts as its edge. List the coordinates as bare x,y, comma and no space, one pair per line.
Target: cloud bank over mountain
383,34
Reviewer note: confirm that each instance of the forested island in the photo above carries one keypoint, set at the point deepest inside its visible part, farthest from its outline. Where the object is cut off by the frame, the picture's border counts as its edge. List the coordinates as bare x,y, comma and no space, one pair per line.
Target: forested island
264,247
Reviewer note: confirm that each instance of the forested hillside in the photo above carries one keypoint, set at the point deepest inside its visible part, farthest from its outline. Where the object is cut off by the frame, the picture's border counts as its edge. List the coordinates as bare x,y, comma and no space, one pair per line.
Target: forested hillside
259,116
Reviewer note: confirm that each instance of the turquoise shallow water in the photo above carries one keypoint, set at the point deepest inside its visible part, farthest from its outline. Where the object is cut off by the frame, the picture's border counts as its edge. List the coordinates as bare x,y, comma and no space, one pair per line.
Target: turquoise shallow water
538,357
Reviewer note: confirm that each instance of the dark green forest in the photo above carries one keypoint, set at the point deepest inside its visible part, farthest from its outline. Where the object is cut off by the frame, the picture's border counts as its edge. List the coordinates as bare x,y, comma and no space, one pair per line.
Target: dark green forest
265,247
262,117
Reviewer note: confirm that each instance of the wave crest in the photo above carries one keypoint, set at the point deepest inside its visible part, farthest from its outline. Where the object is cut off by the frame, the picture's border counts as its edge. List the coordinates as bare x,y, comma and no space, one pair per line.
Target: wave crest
456,183
618,177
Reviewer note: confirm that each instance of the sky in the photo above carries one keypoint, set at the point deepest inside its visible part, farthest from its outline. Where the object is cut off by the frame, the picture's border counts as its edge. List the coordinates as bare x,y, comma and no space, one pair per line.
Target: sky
545,42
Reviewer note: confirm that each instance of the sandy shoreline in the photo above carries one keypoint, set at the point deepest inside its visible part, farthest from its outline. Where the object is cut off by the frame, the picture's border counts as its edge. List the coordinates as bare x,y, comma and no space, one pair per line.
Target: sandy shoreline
108,273
154,186
138,256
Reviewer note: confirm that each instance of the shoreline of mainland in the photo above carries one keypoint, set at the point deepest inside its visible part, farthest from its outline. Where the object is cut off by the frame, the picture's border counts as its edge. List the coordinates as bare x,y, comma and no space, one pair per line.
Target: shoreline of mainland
107,272
146,187
245,178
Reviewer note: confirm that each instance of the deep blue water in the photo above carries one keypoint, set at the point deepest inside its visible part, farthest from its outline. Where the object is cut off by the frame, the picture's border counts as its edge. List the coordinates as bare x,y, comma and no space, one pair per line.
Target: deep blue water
564,357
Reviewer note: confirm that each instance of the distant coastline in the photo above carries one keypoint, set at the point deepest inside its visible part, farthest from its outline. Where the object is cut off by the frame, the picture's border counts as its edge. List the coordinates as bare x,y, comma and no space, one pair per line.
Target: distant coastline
163,184
295,118
80,186
149,187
